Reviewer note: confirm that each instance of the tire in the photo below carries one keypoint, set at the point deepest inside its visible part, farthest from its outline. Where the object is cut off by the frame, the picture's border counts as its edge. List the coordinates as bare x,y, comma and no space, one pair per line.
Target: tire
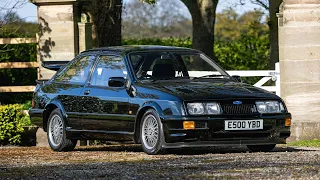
261,148
56,131
151,133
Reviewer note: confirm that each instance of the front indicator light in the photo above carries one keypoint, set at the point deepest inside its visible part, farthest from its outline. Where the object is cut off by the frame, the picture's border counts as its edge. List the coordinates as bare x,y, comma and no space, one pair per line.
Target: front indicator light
187,125
287,122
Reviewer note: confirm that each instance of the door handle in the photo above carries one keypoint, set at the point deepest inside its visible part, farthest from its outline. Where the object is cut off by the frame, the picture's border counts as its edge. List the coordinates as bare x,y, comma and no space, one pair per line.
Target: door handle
86,92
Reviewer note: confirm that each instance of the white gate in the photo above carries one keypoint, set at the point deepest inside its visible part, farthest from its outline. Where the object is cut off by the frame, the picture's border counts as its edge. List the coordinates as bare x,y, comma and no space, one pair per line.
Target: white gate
266,75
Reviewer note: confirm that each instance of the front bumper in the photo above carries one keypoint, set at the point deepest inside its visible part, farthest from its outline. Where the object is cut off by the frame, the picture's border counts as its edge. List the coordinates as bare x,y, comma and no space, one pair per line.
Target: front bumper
210,131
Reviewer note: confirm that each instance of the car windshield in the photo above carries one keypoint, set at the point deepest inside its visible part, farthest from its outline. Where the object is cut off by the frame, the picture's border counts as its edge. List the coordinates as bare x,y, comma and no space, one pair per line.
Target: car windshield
175,65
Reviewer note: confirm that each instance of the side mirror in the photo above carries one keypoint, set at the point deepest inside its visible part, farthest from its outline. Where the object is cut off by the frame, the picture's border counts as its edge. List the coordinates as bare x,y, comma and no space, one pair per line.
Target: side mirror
116,82
237,78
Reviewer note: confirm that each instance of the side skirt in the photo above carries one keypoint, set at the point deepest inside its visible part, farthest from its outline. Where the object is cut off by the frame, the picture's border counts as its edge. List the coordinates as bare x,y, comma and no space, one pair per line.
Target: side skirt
99,135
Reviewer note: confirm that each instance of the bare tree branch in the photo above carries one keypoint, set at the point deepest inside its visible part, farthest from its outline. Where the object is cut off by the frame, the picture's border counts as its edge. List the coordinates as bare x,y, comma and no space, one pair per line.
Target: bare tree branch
262,3
7,11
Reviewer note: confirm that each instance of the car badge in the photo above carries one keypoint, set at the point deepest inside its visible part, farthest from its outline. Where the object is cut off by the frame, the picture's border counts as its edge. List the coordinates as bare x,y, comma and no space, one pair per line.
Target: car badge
237,102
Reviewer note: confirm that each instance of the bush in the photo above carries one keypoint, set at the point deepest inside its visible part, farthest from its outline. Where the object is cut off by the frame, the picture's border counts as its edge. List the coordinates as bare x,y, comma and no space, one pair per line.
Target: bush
12,121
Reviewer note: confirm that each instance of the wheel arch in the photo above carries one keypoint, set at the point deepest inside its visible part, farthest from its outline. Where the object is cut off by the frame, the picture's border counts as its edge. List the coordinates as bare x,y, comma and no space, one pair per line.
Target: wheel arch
47,111
141,112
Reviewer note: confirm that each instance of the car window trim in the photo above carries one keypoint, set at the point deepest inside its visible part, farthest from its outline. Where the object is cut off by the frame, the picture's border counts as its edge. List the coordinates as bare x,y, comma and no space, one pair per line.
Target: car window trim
73,61
88,83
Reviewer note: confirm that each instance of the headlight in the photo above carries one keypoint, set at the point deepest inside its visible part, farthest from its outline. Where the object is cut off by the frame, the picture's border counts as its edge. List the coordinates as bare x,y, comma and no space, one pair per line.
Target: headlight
213,108
195,108
269,107
203,108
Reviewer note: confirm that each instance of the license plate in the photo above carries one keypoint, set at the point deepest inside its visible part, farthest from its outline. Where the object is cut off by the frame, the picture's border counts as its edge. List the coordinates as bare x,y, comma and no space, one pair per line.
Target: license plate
243,124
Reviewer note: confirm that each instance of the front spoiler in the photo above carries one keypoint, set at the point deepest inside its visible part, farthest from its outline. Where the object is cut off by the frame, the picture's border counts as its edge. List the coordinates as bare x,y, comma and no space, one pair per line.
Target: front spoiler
225,142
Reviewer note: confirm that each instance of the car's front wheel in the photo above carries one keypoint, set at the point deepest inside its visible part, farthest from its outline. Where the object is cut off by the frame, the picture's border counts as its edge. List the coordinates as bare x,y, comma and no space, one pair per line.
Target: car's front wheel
261,148
56,132
151,133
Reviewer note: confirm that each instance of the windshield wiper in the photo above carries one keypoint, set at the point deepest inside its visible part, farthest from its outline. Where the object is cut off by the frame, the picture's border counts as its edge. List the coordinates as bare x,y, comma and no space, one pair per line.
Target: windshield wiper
170,78
212,76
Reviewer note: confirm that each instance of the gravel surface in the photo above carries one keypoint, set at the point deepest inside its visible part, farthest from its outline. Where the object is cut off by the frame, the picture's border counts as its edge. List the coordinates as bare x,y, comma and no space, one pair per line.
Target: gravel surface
129,162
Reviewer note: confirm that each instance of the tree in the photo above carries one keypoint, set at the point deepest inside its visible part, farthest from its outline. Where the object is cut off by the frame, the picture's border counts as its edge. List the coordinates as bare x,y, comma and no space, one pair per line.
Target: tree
230,25
203,13
272,6
105,15
165,19
7,14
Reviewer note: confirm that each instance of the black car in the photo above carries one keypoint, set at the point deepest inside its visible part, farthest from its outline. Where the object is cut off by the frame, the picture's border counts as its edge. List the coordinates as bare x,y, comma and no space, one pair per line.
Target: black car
162,97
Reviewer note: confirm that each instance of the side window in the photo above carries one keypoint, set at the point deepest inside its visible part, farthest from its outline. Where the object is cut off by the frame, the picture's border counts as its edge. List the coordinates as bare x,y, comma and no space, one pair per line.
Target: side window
108,66
78,71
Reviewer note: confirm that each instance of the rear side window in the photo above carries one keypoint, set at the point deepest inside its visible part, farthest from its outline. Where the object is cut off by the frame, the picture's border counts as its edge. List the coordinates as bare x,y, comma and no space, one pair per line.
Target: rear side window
108,66
78,71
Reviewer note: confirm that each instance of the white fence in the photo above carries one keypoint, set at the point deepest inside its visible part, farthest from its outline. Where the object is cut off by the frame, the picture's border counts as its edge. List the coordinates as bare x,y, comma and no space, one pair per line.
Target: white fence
266,75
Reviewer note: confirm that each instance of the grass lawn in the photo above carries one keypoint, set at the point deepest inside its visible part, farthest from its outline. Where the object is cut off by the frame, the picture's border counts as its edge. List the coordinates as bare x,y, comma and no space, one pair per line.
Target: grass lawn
305,143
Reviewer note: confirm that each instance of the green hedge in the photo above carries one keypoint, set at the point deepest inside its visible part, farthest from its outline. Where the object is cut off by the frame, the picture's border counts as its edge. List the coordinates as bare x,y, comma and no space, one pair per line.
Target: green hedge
17,77
12,121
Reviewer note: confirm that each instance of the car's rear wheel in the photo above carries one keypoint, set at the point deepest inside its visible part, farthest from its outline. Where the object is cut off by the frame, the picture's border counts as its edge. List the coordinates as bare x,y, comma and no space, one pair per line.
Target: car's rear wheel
261,148
151,133
56,132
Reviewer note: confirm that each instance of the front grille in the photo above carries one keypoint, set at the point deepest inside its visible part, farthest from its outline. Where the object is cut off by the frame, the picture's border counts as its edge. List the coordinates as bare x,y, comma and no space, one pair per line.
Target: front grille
238,109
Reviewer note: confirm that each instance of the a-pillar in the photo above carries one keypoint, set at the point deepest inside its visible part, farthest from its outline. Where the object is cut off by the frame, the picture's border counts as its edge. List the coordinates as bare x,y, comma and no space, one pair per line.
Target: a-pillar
299,45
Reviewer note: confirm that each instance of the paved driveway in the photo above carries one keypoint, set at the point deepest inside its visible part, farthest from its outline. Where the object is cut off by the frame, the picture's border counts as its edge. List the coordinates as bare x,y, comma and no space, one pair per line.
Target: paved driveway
129,162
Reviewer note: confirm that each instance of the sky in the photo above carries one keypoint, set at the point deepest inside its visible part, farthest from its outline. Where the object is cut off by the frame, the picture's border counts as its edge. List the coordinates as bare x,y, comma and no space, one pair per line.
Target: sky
29,10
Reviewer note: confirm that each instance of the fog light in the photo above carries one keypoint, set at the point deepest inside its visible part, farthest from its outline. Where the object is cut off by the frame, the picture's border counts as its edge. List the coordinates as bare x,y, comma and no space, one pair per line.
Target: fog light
288,122
188,125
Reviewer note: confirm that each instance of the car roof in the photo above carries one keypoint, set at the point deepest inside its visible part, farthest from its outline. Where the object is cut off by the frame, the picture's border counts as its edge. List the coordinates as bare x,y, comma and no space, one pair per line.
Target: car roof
138,48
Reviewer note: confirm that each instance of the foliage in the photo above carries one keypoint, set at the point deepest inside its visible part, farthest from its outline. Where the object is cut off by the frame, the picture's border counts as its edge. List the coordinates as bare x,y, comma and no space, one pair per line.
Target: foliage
19,29
230,25
164,19
306,143
17,53
17,77
12,121
27,105
245,53
181,42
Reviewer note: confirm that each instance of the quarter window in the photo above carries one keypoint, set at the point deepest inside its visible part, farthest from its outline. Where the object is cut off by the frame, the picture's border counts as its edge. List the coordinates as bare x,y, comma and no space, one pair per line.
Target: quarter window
108,66
78,71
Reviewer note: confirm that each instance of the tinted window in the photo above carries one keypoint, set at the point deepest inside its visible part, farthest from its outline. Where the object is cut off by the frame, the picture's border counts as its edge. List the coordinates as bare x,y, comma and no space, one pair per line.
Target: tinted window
174,65
108,66
76,72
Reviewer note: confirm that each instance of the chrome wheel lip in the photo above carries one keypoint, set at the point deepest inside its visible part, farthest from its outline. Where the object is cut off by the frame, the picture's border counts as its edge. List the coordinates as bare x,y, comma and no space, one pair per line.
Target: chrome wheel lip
55,130
150,132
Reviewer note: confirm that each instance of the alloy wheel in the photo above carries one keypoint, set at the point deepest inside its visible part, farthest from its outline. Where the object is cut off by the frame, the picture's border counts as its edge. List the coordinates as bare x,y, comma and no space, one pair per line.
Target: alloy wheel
150,132
56,130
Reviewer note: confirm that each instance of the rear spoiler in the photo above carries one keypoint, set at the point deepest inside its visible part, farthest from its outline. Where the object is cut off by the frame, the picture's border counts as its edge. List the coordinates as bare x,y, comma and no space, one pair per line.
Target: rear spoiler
54,65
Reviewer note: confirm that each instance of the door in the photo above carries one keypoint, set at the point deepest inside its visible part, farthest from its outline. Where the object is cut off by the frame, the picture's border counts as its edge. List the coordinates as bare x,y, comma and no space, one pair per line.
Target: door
107,107
69,84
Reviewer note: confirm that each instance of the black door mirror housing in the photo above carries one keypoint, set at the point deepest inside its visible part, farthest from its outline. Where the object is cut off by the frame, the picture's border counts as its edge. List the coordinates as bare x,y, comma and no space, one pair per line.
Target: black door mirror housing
237,78
116,82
